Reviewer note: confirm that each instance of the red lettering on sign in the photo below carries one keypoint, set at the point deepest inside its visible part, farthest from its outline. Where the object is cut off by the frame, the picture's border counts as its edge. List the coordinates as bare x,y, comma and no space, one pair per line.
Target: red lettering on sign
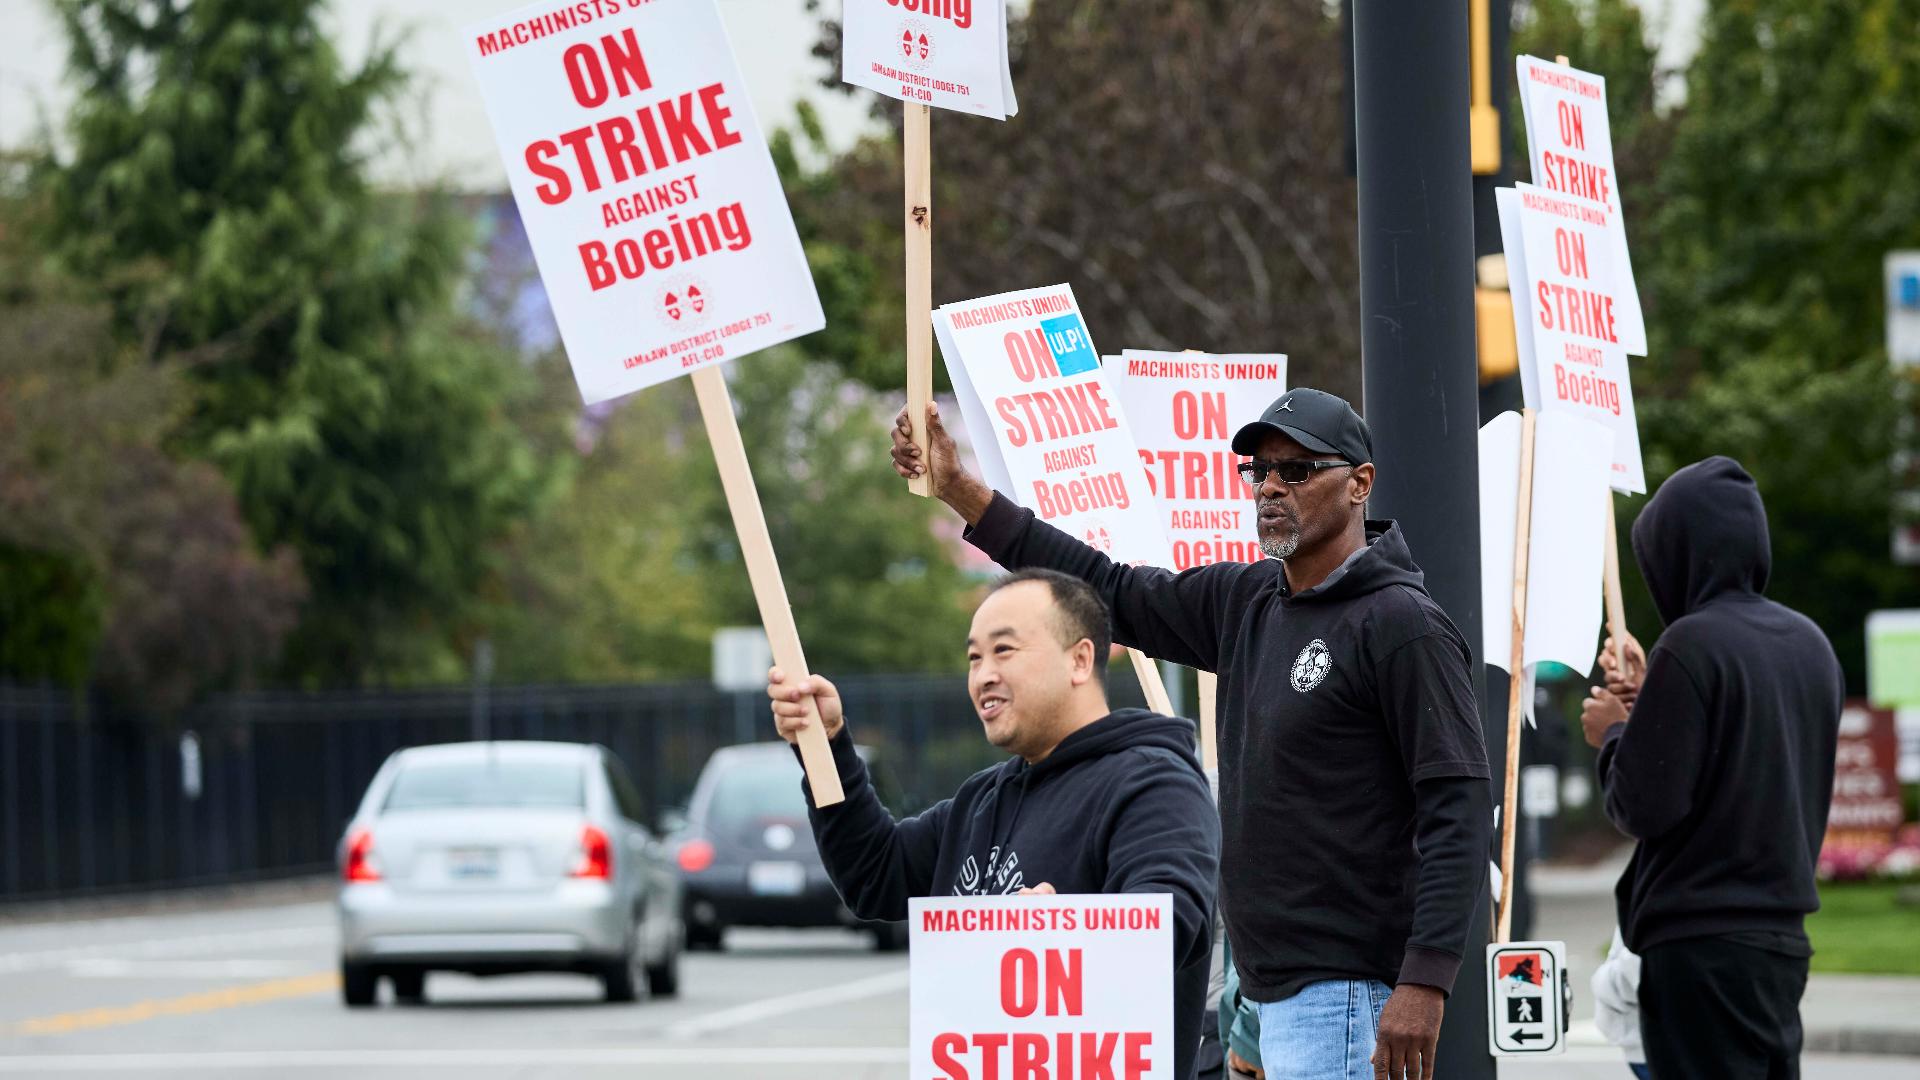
1137,1061
675,242
1019,983
1063,982
946,1045
1573,132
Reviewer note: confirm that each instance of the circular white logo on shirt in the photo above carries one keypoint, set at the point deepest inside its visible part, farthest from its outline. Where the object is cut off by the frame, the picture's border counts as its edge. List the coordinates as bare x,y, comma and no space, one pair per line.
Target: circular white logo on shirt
1311,665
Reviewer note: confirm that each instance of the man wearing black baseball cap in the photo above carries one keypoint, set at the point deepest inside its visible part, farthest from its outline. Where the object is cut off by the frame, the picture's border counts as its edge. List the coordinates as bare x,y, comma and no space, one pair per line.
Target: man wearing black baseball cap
1355,810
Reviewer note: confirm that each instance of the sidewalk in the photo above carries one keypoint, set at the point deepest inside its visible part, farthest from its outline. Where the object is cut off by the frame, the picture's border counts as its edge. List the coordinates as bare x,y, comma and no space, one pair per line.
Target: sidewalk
1854,1014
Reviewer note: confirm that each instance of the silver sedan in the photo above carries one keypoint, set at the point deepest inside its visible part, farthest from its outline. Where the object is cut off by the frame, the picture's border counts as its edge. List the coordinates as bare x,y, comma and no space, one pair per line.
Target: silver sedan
495,858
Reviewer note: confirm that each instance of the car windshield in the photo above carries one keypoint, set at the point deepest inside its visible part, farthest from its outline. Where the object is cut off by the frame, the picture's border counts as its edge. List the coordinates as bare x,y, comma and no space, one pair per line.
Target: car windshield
491,783
755,790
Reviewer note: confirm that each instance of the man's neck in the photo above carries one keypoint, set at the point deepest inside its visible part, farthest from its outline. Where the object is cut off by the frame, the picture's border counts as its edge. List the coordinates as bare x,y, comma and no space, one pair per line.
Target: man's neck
1308,569
1079,714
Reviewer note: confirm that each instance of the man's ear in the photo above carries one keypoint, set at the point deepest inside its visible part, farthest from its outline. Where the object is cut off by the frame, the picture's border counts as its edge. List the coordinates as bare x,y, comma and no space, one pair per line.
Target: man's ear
1083,661
1360,483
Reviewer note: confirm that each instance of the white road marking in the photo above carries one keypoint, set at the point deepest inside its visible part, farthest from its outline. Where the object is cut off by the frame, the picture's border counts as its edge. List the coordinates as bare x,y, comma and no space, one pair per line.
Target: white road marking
771,1056
766,1007
229,941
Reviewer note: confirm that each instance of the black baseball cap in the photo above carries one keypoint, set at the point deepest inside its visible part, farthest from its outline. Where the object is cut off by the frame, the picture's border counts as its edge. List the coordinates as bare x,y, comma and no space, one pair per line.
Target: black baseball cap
1315,419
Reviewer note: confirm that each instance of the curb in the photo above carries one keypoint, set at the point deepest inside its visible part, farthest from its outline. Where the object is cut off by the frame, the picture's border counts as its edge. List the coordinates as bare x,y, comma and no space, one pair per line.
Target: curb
1876,1041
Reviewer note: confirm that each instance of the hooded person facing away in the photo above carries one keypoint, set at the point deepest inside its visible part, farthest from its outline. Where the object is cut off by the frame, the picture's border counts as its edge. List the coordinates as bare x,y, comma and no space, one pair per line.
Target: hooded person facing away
1723,771
1093,800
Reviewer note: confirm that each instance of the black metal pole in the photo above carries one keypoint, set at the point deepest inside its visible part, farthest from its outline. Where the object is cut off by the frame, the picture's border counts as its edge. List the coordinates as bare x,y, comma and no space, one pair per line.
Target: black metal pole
1410,61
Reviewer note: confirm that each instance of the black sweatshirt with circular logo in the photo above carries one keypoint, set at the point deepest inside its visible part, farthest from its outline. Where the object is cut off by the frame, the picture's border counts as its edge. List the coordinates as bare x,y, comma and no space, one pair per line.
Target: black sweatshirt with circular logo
1356,816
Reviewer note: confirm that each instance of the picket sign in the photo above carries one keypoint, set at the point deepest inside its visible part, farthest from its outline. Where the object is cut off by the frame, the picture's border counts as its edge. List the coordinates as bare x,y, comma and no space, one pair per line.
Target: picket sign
1049,431
947,54
663,238
1038,986
1577,95
1570,149
1183,408
1616,606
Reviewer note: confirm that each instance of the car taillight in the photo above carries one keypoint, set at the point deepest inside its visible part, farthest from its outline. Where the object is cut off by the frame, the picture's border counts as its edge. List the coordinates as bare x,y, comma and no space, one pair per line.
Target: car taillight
361,865
596,855
695,856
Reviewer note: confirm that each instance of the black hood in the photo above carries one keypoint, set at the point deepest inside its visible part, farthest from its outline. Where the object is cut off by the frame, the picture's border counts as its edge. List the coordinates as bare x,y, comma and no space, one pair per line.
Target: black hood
1703,536
1384,561
1122,729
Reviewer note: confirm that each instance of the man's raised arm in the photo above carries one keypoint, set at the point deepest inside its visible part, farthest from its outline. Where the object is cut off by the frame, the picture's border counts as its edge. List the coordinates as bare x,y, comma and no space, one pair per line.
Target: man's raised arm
876,863
1177,617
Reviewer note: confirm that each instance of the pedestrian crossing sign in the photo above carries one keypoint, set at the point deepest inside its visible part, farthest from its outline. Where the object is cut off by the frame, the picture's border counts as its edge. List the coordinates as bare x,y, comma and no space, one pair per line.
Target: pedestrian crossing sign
1528,998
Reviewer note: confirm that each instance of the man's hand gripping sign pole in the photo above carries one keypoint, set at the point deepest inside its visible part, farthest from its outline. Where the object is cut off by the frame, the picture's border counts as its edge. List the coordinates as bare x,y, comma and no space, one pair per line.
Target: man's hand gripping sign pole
948,54
658,223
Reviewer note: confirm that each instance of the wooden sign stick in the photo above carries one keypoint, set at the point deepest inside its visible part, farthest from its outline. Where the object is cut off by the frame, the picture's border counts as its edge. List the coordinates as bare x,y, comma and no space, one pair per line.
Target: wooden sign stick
763,570
917,154
1150,683
1517,677
1209,684
1616,607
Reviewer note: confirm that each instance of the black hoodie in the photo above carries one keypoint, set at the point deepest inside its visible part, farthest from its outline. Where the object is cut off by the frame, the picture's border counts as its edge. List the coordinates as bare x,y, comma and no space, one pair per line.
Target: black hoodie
1725,771
1355,812
1120,806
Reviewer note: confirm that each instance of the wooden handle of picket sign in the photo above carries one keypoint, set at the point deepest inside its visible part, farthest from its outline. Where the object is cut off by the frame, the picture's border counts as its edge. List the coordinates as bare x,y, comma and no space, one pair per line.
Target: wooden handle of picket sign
916,144
1616,607
1150,682
763,570
1208,685
1516,682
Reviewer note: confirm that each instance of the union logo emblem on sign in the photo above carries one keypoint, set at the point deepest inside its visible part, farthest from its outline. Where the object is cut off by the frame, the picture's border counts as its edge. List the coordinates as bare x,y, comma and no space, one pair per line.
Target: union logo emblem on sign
916,45
684,301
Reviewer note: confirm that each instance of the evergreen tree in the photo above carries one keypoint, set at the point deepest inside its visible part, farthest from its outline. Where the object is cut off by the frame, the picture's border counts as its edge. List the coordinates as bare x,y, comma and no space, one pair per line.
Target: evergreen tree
214,188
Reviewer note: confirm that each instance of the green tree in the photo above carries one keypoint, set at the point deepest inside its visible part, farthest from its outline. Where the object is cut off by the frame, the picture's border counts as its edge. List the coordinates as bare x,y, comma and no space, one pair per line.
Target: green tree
632,572
1181,164
214,189
118,563
1795,167
1759,209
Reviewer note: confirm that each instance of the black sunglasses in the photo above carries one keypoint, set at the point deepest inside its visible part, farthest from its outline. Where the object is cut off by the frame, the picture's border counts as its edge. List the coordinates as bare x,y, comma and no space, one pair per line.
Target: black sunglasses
1290,472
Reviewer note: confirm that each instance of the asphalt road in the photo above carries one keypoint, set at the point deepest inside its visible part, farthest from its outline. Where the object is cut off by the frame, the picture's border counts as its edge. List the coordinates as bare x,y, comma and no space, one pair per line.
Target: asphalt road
252,992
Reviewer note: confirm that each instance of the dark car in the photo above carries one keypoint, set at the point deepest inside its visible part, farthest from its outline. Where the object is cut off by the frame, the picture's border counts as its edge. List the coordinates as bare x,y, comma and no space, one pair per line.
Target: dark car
747,856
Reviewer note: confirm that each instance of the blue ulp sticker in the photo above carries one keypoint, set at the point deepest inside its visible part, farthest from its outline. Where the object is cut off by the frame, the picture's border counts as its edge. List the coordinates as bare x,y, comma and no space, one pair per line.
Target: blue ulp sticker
1072,350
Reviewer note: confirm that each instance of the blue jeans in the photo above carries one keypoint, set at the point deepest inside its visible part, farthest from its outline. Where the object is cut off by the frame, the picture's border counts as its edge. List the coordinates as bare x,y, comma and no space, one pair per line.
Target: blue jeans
1324,1032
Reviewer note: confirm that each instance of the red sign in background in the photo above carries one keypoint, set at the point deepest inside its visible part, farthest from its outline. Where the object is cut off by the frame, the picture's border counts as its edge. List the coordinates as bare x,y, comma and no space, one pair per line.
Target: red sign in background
1866,782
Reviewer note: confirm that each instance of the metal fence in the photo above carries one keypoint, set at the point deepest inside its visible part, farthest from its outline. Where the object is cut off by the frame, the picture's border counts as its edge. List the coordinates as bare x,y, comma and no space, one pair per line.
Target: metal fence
259,785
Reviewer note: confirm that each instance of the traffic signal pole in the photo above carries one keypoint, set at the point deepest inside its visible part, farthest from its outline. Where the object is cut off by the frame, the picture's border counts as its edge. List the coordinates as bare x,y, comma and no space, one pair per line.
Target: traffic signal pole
1411,92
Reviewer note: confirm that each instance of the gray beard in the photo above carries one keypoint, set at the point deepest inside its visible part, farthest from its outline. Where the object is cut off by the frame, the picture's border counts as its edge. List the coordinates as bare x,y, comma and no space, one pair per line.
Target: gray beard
1281,547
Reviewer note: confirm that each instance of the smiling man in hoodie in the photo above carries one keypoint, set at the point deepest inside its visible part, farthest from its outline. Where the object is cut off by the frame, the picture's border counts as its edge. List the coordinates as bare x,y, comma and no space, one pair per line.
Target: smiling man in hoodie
1723,771
1092,800
1355,810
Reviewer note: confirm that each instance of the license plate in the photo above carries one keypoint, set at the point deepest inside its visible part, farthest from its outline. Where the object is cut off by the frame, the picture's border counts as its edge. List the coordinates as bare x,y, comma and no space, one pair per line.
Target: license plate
776,878
471,864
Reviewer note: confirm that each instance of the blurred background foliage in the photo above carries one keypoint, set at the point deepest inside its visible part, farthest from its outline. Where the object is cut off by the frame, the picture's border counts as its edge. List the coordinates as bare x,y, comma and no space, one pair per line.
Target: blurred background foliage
262,422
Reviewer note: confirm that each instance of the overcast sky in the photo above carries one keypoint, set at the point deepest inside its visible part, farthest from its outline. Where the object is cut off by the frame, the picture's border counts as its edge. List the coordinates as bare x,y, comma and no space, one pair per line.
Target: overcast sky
771,38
